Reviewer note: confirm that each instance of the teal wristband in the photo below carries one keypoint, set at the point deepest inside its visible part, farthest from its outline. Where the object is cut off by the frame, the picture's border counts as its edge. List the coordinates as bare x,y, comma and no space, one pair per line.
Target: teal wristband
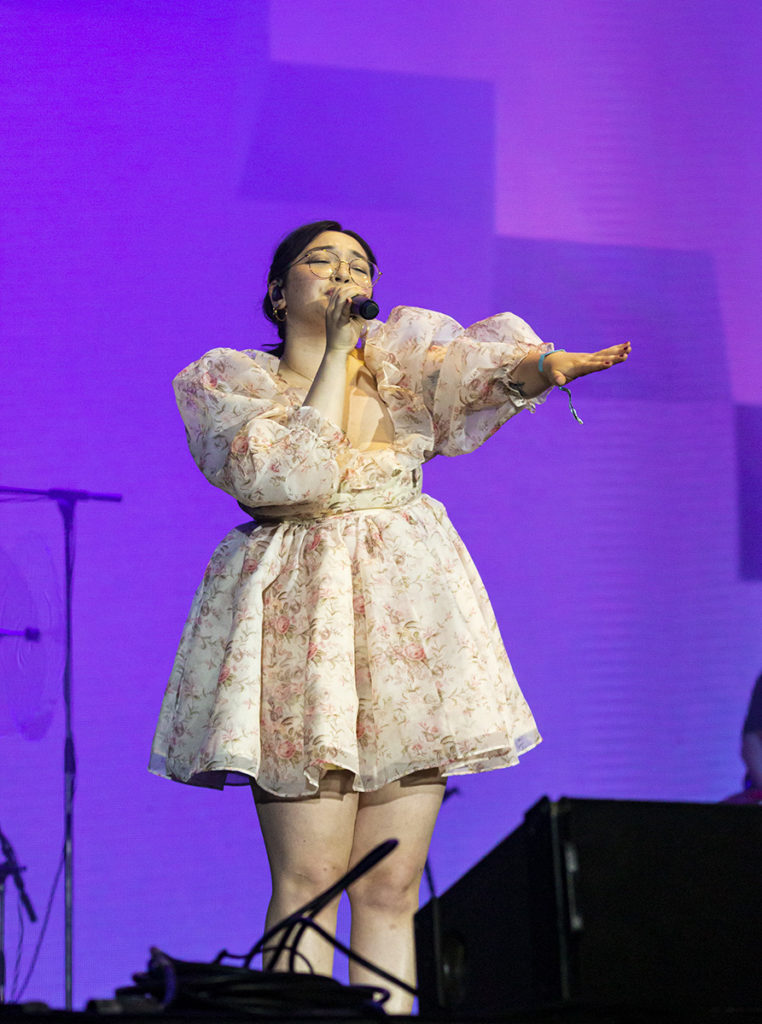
561,387
542,358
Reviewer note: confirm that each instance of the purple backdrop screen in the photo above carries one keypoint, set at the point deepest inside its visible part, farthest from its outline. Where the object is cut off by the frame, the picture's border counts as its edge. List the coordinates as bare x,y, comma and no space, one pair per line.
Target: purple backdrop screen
591,166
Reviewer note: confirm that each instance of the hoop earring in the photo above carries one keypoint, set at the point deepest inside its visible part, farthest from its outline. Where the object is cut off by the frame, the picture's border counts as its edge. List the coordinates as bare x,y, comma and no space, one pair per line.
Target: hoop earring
281,310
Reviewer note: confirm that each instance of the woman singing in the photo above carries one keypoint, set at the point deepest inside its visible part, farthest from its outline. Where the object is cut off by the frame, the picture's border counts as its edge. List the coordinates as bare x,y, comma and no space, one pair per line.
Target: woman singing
341,653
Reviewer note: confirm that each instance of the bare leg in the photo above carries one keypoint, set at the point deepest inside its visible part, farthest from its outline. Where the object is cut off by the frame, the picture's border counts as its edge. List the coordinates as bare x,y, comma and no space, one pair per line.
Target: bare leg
385,900
308,843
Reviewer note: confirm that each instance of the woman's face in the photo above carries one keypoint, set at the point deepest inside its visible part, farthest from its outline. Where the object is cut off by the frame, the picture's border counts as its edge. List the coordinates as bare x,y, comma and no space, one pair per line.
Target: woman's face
307,294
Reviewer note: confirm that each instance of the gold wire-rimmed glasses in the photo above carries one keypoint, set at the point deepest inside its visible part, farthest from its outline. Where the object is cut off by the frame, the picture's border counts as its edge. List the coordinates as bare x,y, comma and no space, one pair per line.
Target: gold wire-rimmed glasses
325,263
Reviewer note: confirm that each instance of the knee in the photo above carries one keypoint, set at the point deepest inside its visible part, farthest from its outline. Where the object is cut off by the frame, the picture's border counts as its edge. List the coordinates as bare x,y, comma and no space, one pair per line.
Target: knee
390,888
300,880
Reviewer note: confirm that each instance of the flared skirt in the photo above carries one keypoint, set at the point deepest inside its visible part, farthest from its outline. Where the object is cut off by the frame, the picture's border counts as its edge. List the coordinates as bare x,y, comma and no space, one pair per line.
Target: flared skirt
362,641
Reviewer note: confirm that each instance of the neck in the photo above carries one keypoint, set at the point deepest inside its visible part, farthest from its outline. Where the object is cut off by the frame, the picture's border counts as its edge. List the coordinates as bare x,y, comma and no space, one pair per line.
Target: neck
303,360
304,345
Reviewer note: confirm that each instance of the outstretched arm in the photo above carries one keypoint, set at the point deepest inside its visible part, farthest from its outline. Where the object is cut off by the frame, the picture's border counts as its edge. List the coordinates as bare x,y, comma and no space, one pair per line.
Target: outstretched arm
561,367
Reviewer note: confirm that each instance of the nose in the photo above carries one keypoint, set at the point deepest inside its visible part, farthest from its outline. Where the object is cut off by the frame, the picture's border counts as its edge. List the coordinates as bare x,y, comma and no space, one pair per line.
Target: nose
339,274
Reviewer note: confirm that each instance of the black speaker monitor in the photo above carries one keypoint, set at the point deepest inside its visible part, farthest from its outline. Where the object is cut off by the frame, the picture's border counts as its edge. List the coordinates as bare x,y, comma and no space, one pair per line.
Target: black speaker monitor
603,903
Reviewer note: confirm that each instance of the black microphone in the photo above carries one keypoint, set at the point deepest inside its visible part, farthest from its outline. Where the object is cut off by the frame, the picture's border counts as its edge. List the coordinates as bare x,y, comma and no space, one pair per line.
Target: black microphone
364,307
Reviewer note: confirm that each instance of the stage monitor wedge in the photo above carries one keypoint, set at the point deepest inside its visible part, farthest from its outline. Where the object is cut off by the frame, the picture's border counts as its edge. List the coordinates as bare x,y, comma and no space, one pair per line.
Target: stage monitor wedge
602,903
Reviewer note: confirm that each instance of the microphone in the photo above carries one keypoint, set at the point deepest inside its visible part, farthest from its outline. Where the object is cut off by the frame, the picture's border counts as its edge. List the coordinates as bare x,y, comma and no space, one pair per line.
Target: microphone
364,307
30,633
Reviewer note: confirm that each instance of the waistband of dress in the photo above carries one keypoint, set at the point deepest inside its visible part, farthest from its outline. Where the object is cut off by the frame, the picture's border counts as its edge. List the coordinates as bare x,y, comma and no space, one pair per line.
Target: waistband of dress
371,503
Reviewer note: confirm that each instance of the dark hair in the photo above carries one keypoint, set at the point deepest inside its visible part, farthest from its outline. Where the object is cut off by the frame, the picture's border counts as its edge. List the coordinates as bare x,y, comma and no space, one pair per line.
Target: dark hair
291,246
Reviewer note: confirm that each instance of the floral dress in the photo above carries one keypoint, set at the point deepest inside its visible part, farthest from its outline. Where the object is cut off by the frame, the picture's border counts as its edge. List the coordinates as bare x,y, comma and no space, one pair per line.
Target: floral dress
345,625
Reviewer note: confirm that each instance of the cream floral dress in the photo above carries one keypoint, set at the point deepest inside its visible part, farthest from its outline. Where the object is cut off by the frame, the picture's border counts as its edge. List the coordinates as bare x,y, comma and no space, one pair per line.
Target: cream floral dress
345,626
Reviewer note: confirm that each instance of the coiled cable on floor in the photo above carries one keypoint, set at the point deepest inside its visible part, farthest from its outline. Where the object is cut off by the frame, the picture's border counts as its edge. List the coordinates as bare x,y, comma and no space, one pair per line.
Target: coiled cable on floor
291,928
185,985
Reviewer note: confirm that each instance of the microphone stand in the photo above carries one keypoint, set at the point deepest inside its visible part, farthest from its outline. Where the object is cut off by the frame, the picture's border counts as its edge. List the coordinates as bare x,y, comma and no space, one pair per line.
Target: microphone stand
66,501
10,868
304,918
436,918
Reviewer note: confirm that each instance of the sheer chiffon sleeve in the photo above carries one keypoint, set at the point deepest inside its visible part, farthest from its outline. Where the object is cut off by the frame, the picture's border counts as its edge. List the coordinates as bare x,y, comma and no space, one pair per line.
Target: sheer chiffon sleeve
452,386
249,440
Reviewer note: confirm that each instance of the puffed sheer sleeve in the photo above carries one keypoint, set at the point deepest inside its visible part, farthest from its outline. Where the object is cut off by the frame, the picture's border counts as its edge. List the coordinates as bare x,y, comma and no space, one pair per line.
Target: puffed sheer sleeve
452,383
249,440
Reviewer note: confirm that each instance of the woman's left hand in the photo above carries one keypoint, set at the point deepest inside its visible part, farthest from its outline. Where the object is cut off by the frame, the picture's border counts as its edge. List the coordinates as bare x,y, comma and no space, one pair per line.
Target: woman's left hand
561,367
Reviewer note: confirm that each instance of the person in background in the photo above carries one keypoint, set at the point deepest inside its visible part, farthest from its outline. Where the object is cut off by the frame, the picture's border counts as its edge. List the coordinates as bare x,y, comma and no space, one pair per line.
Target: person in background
751,739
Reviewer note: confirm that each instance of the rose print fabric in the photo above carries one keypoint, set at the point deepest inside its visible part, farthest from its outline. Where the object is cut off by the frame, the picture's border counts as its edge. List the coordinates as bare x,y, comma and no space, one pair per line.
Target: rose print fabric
346,625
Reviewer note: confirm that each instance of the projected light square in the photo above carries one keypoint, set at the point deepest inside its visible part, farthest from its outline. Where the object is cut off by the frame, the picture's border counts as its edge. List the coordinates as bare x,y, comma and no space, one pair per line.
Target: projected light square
410,142
589,297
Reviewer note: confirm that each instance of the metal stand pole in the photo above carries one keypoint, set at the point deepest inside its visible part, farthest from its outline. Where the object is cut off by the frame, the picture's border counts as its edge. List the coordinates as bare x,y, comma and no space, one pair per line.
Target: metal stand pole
3,876
66,503
66,507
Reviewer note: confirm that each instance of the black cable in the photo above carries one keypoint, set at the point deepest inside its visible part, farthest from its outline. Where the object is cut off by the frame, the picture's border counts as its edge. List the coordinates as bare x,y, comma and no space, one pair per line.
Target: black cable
300,929
19,948
289,931
184,985
348,952
16,996
322,900
296,953
351,955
